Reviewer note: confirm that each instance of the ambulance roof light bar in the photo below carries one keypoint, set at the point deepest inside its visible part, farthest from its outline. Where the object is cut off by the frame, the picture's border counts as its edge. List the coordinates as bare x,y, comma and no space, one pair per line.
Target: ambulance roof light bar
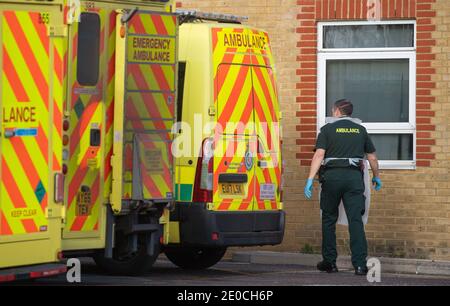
190,15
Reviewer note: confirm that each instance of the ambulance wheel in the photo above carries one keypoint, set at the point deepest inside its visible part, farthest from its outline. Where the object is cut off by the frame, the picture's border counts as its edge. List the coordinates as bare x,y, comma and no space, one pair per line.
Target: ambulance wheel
195,258
127,263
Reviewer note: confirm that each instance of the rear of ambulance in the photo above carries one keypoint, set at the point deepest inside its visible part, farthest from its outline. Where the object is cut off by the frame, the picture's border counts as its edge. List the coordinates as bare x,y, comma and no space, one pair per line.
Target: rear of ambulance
237,188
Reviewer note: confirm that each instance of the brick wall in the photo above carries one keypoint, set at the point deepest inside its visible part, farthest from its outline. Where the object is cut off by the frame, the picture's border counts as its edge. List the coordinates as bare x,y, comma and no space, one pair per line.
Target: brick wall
323,10
410,217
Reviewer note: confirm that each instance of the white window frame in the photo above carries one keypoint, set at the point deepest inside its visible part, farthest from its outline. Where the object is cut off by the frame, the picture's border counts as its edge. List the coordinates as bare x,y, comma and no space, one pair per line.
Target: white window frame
369,54
321,25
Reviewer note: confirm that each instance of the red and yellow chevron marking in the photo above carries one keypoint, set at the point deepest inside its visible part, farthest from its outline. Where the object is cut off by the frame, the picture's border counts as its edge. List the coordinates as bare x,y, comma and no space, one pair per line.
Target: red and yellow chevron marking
245,93
25,96
229,158
234,102
267,123
147,23
87,110
109,105
150,103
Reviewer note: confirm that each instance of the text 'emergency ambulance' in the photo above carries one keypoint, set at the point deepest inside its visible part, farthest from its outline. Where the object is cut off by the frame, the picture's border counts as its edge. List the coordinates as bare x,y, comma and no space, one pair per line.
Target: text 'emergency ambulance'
151,49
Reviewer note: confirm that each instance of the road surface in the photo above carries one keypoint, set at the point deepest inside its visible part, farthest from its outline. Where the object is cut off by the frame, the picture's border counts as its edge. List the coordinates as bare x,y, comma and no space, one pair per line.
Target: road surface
228,273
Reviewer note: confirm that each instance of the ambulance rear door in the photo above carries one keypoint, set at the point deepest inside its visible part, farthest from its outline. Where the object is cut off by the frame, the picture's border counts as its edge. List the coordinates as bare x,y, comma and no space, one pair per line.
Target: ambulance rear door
236,142
149,106
267,124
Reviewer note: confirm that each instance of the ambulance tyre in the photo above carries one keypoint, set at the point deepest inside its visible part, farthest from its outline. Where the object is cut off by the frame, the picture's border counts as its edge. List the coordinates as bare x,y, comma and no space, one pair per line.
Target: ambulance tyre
192,258
132,264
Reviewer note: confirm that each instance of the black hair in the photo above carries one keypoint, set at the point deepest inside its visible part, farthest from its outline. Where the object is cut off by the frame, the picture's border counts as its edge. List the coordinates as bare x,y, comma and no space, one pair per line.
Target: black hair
345,106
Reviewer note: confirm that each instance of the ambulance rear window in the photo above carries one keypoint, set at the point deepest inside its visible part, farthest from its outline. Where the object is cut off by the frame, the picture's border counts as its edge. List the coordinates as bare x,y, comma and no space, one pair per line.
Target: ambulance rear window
88,47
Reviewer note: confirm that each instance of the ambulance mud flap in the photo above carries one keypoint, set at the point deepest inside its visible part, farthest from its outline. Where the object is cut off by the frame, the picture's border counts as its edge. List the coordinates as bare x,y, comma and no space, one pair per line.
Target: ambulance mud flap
133,244
109,240
132,227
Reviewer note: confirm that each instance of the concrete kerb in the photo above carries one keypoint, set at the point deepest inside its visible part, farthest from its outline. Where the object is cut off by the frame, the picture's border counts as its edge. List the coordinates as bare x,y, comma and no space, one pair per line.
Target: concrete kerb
388,265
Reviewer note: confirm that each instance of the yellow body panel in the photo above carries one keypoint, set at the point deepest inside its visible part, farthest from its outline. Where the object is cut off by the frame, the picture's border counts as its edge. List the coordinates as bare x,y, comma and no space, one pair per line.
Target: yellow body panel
119,93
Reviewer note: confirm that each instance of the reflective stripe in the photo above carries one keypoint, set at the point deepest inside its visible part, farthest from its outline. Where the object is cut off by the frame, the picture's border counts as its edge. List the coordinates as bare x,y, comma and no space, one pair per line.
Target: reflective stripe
353,161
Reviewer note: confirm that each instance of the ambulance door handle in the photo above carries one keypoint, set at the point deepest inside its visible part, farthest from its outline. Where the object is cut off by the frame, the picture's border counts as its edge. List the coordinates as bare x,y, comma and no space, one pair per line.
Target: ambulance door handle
10,133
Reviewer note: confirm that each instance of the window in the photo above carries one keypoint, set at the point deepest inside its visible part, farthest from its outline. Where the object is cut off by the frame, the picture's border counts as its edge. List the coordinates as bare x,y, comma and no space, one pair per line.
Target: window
368,36
373,85
394,146
88,47
373,64
181,78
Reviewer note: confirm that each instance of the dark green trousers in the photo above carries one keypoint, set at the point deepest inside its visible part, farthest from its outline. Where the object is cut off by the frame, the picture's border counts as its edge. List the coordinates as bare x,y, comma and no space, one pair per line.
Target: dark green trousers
344,184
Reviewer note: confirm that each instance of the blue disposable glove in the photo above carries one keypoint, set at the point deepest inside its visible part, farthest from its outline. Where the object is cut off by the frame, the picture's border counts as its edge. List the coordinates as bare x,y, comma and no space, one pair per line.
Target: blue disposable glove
308,188
376,181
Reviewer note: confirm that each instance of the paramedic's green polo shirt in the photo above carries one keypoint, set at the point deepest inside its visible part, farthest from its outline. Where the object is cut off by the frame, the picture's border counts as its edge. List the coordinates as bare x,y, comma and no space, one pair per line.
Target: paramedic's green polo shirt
344,139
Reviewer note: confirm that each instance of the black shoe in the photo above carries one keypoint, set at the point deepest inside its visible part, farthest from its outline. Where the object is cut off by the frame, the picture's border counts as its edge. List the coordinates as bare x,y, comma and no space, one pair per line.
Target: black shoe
361,271
327,267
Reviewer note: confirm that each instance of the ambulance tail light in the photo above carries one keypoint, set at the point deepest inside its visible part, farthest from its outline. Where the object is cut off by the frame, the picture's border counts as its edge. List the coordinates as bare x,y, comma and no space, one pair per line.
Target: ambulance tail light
203,186
59,187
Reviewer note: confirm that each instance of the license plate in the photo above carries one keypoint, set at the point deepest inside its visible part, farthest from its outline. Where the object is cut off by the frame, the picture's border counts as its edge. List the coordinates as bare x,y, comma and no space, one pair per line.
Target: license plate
231,189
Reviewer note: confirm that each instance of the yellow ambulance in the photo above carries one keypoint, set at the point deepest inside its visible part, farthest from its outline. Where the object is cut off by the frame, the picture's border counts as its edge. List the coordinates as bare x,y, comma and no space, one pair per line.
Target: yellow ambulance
229,168
92,162
88,92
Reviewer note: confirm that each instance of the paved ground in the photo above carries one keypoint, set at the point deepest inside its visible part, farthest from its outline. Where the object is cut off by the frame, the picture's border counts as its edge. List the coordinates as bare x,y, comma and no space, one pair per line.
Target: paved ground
229,273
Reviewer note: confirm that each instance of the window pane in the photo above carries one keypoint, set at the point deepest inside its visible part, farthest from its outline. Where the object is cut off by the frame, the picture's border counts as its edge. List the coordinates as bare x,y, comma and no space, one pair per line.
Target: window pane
368,36
393,146
88,49
379,89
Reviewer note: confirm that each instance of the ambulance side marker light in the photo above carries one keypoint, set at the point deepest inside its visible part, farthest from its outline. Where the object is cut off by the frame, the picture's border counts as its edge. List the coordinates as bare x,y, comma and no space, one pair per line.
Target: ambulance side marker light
66,125
59,187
